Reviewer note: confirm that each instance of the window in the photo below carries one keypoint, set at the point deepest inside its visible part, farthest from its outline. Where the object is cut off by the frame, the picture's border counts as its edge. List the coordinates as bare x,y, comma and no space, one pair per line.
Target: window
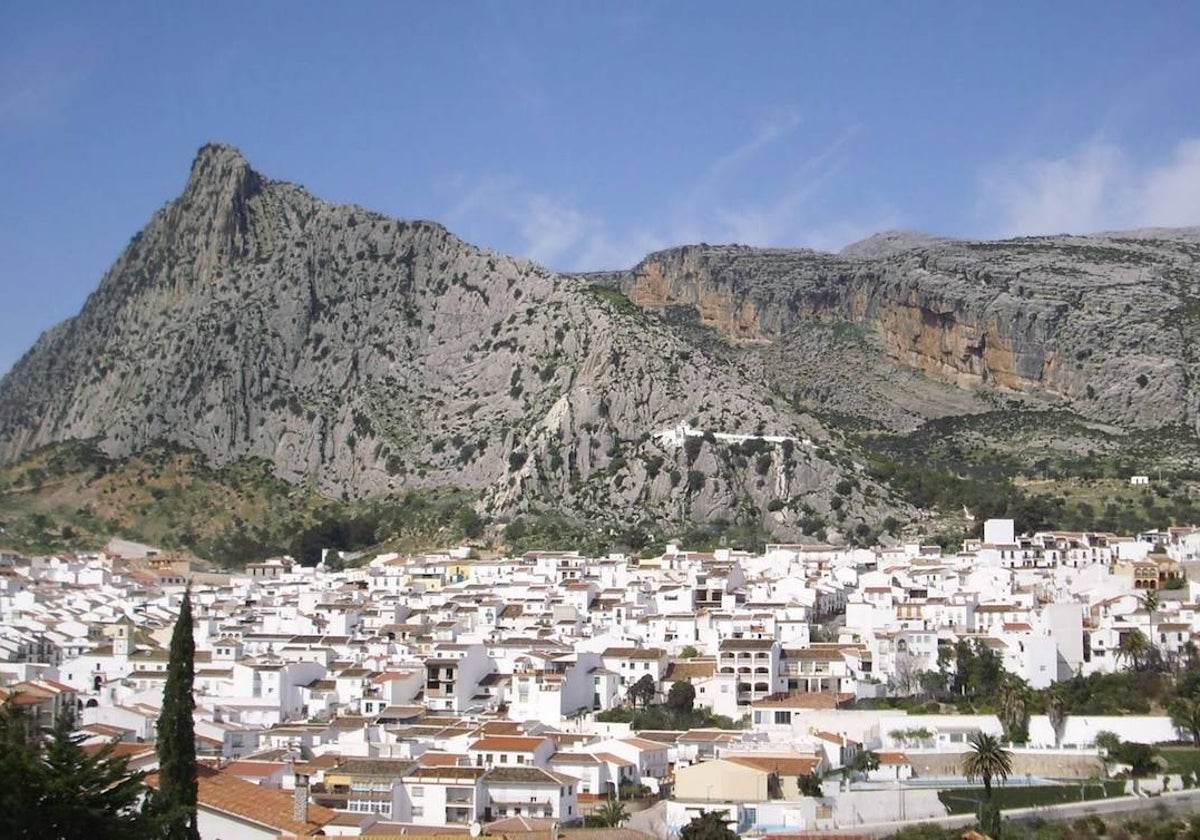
418,810
418,791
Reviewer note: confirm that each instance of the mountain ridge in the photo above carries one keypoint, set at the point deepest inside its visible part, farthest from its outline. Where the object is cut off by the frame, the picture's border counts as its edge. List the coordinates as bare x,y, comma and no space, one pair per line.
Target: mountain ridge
361,355
364,355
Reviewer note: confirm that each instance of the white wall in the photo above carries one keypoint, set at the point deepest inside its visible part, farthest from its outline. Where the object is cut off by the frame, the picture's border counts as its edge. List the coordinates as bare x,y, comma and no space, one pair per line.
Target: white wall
1081,730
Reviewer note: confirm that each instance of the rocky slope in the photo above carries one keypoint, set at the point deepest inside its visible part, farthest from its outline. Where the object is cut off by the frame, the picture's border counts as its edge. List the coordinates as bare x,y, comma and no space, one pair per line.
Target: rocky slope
360,354
1104,324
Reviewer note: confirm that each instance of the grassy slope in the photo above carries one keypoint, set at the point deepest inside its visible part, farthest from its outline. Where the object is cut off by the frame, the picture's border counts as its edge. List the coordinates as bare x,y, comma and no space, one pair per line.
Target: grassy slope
1071,473
72,497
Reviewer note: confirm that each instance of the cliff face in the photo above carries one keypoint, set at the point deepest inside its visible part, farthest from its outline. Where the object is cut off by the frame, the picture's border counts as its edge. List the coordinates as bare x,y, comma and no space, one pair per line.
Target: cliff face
360,355
1103,323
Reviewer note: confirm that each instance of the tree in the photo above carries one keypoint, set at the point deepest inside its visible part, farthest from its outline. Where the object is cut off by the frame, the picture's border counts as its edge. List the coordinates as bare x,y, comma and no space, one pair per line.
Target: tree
907,674
1149,602
865,761
682,697
809,784
611,814
1056,711
93,796
20,773
1134,648
643,691
177,785
56,789
1013,696
710,825
689,652
986,760
1185,714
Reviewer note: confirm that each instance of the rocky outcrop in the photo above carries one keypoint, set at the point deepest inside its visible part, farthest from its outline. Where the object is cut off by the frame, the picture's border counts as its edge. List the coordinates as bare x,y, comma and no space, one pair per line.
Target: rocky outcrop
362,355
1104,323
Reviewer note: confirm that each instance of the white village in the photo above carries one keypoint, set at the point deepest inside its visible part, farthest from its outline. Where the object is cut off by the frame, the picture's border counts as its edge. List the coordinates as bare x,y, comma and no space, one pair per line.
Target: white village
805,690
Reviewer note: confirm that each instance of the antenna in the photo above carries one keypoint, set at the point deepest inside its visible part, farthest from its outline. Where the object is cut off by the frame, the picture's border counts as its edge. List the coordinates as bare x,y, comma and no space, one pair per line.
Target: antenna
476,829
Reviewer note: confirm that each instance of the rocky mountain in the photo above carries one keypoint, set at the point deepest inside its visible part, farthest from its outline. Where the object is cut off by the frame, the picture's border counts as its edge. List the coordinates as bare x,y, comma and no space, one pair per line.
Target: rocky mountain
1105,325
361,355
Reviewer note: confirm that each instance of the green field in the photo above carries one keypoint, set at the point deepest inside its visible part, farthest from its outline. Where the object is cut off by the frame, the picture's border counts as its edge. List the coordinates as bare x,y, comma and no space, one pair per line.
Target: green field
966,800
1180,759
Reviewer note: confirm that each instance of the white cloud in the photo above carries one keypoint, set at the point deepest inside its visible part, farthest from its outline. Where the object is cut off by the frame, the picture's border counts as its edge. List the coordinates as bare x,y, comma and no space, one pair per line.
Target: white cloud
1170,194
561,234
1097,188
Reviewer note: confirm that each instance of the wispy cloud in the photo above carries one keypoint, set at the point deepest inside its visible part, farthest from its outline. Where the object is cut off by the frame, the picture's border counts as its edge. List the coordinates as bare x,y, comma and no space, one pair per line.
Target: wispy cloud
560,233
771,130
1098,187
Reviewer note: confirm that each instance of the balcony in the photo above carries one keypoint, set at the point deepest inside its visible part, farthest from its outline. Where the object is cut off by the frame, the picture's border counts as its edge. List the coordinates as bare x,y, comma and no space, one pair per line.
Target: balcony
459,816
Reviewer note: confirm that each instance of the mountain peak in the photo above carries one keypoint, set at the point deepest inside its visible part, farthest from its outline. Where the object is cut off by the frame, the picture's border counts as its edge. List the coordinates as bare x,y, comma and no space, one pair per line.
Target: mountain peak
220,186
221,170
888,242
214,157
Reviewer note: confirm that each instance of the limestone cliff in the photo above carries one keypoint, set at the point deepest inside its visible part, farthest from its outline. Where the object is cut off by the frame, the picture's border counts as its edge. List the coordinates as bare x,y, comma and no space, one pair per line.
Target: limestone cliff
1104,323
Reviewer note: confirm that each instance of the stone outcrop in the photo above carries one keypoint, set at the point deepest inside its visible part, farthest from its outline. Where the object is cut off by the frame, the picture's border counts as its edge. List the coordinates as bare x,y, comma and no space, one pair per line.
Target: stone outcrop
1104,323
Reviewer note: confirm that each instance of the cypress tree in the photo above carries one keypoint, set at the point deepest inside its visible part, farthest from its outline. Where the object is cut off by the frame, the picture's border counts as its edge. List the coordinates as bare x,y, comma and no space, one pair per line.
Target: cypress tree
177,786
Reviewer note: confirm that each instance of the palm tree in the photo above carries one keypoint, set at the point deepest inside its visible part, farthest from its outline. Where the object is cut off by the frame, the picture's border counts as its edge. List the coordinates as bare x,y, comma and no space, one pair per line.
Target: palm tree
612,813
1191,654
1149,602
1014,700
1056,711
1134,649
985,761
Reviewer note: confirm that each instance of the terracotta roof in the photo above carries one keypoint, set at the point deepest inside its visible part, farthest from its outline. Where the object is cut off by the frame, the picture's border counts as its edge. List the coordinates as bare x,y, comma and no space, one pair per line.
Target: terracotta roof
747,644
690,670
807,700
264,806
508,743
388,767
786,765
609,758
446,773
253,768
526,776
635,653
643,743
120,750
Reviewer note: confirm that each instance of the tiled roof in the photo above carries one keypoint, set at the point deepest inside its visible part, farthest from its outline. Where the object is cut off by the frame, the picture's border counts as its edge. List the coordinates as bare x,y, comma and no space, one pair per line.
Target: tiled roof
508,743
747,644
807,700
265,806
785,765
526,776
446,773
690,670
389,767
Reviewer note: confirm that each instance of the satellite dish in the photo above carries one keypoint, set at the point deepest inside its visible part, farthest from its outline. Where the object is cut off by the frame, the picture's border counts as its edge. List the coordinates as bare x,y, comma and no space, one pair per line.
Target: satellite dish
476,829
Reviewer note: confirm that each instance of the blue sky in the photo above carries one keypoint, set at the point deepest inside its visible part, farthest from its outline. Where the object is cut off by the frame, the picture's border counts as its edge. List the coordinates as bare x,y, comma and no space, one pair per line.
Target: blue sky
585,134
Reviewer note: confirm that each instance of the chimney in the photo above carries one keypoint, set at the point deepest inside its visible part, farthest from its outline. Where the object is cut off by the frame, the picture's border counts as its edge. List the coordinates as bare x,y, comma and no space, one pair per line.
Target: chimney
300,798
